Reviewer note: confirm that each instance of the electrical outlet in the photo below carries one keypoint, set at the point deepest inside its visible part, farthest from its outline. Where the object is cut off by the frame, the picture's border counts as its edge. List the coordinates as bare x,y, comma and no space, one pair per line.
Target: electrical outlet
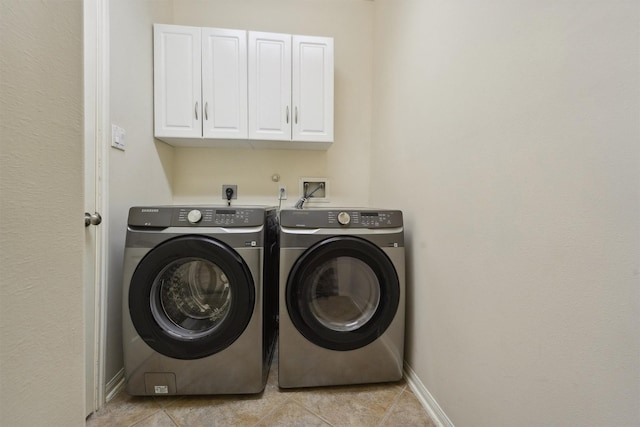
234,189
315,189
282,192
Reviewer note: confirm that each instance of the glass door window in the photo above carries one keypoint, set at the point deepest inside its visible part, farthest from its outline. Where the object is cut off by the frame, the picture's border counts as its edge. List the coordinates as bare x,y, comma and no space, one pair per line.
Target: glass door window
342,293
193,297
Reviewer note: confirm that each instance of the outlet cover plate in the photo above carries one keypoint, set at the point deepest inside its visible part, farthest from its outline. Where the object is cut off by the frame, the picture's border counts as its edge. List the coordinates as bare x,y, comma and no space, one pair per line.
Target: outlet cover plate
282,192
233,187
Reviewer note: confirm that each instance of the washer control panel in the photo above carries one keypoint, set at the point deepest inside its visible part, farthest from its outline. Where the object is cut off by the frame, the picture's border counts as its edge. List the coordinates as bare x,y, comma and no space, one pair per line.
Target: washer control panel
199,216
194,216
344,218
216,217
340,218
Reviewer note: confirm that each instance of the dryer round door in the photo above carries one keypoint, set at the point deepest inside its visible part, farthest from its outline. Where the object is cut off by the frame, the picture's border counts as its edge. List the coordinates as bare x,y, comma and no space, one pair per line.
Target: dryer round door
342,293
191,297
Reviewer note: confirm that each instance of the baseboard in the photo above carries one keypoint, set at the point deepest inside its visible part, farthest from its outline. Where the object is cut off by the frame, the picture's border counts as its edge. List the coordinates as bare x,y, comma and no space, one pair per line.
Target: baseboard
430,405
115,385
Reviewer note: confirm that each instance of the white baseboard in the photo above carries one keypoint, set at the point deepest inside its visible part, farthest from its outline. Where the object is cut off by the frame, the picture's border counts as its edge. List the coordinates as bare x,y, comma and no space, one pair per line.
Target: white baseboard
115,385
430,405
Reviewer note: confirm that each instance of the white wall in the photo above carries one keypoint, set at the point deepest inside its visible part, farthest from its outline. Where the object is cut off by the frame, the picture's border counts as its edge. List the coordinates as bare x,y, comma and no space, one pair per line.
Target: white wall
143,173
200,173
508,132
41,206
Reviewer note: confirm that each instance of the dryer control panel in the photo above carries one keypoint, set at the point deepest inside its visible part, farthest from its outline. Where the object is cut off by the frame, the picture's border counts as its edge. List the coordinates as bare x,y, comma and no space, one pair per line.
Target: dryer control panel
340,218
196,216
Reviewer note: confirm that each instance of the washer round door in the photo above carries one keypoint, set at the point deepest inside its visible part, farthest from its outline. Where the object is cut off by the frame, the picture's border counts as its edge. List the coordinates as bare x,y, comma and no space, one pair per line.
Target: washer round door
342,293
191,297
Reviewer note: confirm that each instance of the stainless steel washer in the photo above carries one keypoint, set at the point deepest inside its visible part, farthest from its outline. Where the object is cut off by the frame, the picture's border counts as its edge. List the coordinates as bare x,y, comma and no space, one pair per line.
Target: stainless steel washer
342,297
199,304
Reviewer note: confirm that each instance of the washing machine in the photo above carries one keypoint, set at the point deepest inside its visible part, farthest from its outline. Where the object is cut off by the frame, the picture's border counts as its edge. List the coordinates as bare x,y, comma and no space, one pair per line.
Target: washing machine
341,297
199,299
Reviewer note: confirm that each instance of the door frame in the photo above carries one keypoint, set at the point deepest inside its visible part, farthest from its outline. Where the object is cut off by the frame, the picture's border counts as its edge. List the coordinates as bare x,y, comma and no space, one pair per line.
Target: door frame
96,138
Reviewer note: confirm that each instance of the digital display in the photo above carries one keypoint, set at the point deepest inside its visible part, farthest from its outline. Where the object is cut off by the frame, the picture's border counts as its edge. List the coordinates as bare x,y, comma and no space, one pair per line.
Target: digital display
227,212
369,214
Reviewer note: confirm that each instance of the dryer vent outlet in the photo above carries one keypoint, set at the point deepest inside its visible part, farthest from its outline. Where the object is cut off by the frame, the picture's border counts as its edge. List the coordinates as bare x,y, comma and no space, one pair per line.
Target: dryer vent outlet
314,189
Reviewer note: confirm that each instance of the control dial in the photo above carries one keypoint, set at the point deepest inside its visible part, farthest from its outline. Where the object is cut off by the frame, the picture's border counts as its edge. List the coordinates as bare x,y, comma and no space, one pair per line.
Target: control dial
194,216
344,218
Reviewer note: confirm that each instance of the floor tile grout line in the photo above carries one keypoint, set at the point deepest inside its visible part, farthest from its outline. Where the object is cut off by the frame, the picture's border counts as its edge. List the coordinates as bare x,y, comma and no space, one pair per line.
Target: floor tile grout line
317,414
173,420
395,400
389,410
145,418
271,411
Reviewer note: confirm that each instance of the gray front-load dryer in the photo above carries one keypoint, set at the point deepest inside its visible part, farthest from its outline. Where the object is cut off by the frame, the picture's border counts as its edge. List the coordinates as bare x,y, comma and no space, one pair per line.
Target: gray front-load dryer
199,305
342,297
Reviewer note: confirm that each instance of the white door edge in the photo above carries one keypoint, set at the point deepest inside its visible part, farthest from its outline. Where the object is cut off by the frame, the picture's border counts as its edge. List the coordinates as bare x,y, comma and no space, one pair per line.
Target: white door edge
97,133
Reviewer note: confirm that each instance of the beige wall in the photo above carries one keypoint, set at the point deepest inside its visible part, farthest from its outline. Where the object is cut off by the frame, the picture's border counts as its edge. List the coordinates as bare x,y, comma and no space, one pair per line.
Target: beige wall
41,243
142,174
512,129
200,173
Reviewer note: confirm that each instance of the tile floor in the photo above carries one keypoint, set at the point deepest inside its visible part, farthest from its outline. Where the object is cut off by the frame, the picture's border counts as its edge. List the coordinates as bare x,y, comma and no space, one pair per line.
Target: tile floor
391,404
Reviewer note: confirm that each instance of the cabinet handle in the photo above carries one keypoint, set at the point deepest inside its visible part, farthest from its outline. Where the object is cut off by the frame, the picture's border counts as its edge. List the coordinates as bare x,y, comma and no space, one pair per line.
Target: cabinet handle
196,110
296,119
287,114
206,113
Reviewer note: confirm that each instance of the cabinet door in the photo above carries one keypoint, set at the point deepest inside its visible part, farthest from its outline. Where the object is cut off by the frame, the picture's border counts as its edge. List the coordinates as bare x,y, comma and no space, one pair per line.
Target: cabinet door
224,83
269,86
312,88
177,89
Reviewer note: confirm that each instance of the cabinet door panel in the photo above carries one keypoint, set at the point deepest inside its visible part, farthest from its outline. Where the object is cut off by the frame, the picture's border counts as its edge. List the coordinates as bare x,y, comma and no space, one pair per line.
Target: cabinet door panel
312,88
177,88
224,83
269,86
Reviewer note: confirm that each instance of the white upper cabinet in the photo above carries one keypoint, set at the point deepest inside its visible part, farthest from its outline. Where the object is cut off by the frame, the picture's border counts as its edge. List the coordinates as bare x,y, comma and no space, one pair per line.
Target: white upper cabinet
177,90
224,83
269,86
200,84
290,87
312,89
213,87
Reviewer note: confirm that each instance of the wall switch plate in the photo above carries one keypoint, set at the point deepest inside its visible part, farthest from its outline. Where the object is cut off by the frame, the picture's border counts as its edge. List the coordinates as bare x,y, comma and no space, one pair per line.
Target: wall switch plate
117,137
233,188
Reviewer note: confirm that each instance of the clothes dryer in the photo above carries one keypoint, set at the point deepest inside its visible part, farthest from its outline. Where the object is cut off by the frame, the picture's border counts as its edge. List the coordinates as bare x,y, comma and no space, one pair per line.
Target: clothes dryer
199,305
342,297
